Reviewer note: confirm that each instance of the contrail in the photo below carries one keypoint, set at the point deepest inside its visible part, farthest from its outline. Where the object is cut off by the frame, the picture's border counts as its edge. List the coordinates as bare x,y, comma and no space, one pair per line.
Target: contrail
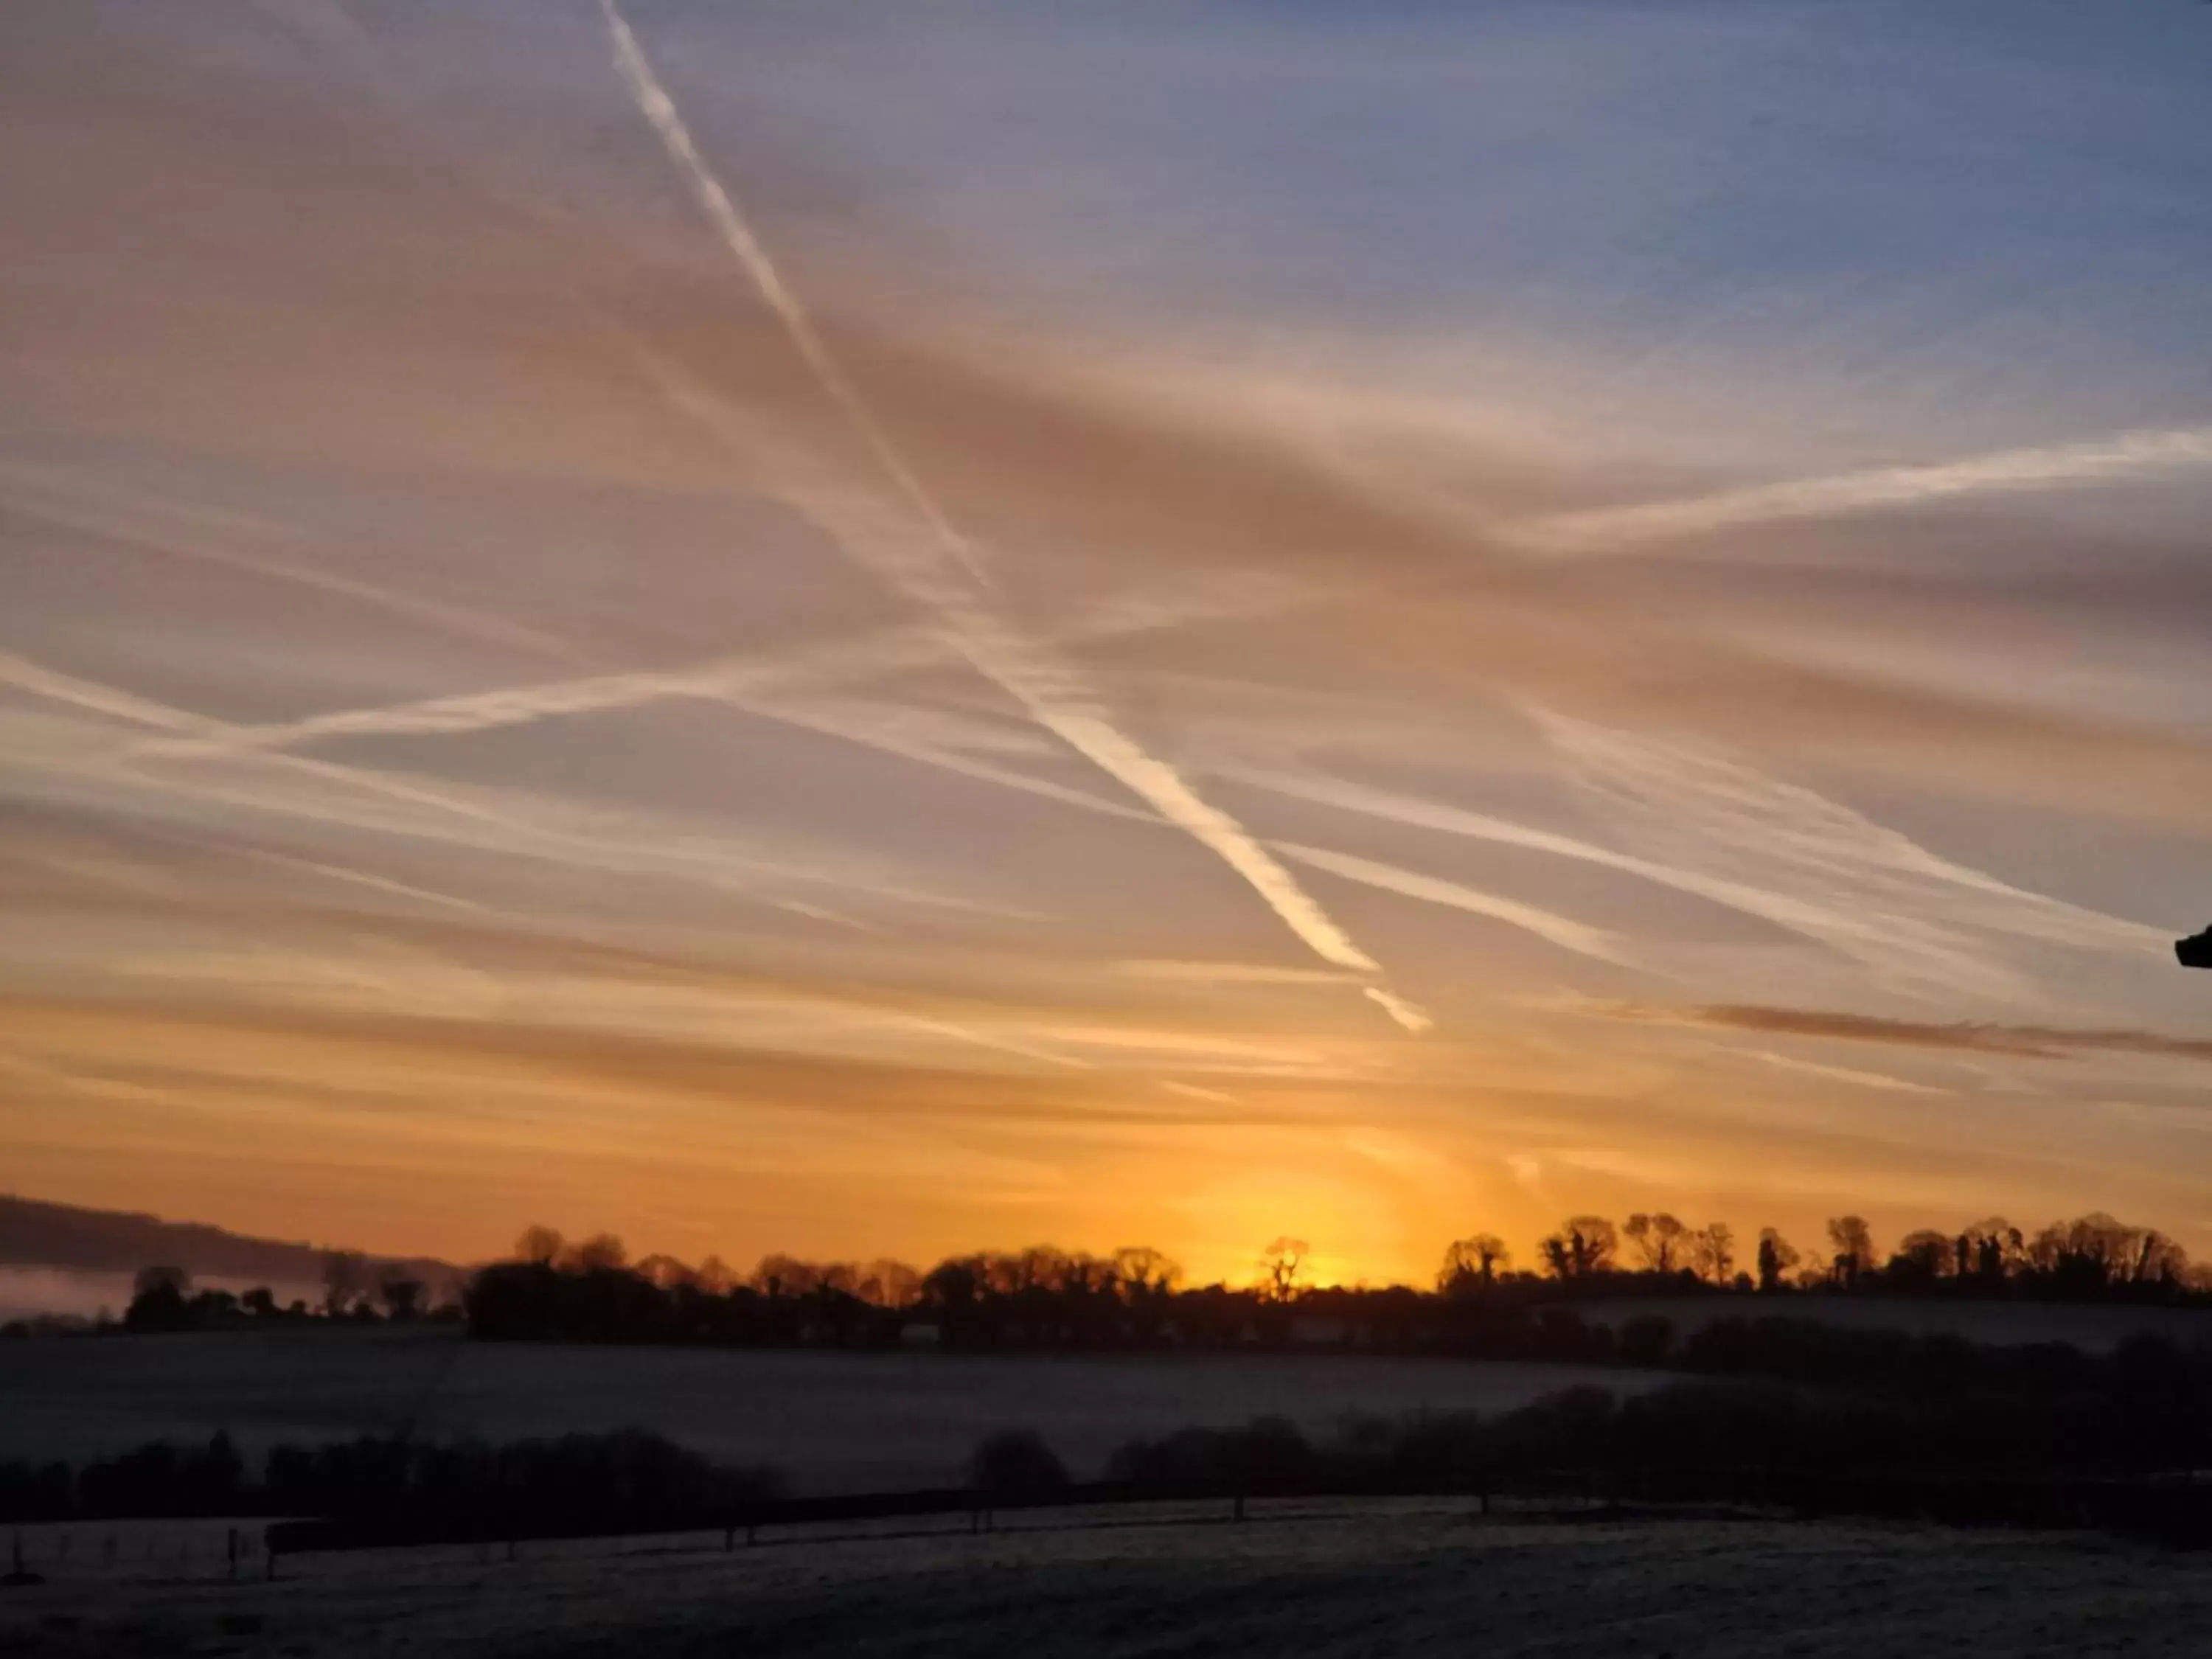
2126,455
1554,929
453,619
717,680
658,108
523,830
1700,823
1052,694
747,681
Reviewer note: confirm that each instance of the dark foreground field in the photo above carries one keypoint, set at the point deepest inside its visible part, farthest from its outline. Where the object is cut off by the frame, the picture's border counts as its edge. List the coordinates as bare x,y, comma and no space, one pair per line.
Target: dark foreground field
832,1421
1338,1580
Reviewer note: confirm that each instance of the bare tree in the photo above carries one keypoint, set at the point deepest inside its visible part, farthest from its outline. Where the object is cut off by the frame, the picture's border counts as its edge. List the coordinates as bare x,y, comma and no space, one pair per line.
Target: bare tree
161,1281
1776,1257
1477,1259
890,1283
1925,1253
1279,1267
1712,1251
401,1295
1141,1270
539,1244
785,1275
345,1280
1997,1249
664,1272
715,1276
1852,1241
599,1253
2159,1260
1659,1240
1585,1244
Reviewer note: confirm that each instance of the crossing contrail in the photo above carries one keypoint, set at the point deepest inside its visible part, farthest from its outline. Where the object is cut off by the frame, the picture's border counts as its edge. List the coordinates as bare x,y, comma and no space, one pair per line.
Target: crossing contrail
947,574
2122,456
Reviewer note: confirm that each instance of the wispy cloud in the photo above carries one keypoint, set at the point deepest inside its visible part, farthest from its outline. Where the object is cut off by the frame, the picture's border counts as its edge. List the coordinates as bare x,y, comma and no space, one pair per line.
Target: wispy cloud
1851,1075
1819,867
355,797
2121,458
951,582
1234,973
1410,1017
63,499
1963,1036
1692,816
1567,934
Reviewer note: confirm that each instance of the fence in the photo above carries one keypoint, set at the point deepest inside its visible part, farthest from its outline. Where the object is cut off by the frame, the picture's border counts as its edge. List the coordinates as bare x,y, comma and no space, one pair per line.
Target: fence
2171,1509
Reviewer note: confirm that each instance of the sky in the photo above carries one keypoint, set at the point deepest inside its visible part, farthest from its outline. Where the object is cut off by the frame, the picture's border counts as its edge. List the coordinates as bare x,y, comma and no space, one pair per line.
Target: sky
885,629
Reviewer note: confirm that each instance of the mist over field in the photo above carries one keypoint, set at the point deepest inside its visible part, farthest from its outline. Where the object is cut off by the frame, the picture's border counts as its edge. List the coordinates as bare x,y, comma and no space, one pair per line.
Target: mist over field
84,1293
833,1422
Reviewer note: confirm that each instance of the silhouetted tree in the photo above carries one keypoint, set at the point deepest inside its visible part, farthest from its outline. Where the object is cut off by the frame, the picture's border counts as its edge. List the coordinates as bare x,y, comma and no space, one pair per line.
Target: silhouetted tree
1475,1259
1141,1271
1712,1252
1279,1267
1923,1256
345,1279
1016,1461
600,1253
1659,1240
158,1301
1852,1240
715,1277
154,1280
888,1284
401,1296
541,1245
663,1273
1584,1245
1777,1257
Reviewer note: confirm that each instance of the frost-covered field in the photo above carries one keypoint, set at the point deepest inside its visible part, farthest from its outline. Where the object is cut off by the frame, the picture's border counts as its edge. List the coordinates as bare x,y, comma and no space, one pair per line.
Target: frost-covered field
1346,1580
832,1421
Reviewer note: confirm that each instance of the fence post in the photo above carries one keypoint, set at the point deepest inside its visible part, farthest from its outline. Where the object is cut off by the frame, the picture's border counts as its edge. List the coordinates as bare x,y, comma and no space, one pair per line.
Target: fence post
1237,1514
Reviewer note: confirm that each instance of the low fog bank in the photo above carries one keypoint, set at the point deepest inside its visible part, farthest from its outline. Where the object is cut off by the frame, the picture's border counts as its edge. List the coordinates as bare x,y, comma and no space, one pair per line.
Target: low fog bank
84,1293
837,1422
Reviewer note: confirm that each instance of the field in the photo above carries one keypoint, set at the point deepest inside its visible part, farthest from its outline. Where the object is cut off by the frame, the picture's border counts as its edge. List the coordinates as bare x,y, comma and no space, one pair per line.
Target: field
1334,1581
2092,1328
835,1422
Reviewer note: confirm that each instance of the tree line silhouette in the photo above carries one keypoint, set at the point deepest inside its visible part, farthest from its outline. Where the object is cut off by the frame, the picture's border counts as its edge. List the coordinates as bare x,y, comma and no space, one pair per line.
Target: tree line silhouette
588,1291
163,1300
